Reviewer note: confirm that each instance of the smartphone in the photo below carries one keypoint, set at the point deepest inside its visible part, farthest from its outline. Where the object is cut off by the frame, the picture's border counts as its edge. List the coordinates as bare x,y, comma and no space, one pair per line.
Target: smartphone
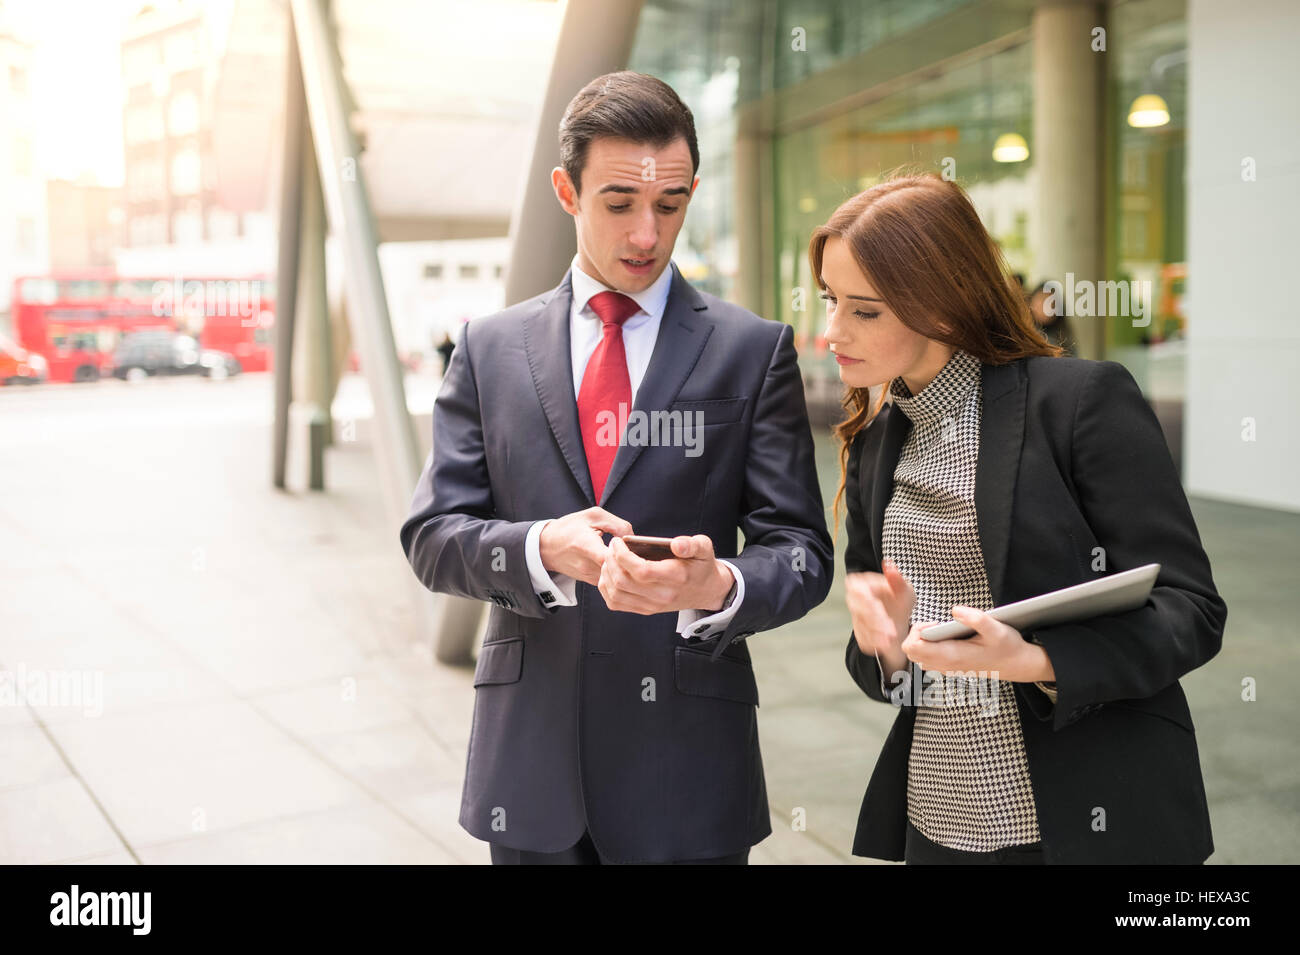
649,548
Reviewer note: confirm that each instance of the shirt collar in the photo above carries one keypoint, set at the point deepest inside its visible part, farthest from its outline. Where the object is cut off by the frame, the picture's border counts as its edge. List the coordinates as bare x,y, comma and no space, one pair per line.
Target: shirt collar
652,300
942,396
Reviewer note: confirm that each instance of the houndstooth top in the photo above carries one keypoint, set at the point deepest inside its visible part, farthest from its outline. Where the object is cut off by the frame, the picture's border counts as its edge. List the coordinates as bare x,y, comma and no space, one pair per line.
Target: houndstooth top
968,781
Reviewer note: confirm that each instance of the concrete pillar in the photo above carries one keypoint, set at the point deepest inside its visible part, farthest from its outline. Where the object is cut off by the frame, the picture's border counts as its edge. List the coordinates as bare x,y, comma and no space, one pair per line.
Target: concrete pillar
347,210
754,226
1243,200
1067,150
286,307
317,392
595,38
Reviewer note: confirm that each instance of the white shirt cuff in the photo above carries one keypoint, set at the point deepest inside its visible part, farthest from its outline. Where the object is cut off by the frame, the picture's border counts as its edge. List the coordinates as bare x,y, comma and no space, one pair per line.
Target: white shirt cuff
702,624
557,591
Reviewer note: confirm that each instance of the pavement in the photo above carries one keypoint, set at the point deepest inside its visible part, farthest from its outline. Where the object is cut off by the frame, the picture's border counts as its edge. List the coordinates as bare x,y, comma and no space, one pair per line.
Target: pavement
202,669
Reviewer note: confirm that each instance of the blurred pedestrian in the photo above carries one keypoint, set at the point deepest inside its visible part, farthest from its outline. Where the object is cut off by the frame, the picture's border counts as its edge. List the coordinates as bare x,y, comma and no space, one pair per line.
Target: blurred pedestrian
444,350
1049,316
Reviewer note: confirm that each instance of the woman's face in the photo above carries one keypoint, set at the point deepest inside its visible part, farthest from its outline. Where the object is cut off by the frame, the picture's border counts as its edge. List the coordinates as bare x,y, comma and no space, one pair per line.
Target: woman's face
870,344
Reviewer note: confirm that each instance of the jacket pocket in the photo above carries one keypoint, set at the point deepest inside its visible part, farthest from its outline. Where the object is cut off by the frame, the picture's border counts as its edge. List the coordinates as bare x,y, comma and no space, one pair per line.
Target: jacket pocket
716,410
695,674
1159,709
501,661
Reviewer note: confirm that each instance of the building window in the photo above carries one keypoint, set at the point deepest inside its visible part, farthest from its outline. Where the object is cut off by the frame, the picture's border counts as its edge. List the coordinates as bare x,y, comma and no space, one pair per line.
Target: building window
468,271
25,238
147,230
433,270
181,51
187,227
143,124
1147,216
185,173
222,224
144,180
138,63
183,114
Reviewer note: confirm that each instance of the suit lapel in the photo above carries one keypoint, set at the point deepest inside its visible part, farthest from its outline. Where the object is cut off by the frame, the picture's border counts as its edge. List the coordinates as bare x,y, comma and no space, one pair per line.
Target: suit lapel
547,345
1002,434
897,428
678,347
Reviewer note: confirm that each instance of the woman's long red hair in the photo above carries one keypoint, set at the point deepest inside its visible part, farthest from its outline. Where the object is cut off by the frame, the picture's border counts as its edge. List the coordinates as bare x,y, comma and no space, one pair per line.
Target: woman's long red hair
922,246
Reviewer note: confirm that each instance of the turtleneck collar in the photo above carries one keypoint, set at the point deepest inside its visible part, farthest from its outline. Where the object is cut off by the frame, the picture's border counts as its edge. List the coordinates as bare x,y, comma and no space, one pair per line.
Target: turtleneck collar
942,396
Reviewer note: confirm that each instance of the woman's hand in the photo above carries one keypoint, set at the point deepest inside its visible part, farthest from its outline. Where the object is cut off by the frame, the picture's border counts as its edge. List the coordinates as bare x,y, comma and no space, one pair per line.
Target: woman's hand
880,606
997,650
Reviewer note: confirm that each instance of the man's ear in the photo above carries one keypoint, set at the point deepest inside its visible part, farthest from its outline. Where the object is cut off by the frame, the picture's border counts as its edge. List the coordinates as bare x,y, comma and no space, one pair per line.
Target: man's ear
694,183
564,190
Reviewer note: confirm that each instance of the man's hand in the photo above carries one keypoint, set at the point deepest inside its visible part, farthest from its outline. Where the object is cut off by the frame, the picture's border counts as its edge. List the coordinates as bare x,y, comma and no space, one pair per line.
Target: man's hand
572,544
693,579
996,649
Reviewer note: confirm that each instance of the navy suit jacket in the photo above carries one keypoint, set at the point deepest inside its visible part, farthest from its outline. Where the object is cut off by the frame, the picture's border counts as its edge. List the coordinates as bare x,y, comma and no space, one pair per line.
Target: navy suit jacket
585,718
1072,463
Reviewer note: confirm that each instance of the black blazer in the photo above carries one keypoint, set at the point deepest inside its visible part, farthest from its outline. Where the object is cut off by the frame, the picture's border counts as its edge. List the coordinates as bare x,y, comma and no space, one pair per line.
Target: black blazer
1071,461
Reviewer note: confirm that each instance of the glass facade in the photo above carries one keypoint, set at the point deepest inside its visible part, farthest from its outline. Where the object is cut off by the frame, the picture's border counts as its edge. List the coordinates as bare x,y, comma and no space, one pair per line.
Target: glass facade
1146,238
709,51
947,124
800,104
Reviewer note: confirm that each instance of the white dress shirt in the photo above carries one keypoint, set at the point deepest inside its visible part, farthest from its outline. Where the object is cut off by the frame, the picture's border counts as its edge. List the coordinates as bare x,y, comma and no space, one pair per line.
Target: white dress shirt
639,334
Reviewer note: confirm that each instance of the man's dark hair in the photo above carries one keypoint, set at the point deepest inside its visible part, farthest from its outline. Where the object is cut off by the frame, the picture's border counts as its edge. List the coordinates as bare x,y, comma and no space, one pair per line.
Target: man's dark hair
624,105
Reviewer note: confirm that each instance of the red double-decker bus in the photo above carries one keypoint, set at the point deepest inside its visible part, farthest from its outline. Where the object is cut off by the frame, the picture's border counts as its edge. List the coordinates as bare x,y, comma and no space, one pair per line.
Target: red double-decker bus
74,320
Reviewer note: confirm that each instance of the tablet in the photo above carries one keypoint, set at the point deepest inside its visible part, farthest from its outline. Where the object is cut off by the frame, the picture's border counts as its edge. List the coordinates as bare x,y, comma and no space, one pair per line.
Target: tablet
1114,594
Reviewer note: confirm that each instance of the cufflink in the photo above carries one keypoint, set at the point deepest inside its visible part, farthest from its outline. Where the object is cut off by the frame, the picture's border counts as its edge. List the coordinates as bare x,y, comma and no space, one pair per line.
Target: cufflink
548,597
703,629
731,594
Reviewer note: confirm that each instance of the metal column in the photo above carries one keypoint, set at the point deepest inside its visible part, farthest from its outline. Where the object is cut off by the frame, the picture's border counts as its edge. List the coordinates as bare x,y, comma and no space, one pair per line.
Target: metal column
347,209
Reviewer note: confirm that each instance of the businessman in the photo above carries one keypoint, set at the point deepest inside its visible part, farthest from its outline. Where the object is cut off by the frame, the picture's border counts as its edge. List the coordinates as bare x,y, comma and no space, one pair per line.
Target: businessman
614,716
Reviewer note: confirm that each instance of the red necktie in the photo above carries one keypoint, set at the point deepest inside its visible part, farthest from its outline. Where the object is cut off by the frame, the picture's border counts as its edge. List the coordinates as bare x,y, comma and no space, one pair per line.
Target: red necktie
605,386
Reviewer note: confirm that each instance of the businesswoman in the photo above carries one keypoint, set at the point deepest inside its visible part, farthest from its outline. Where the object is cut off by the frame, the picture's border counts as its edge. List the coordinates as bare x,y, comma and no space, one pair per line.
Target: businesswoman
988,470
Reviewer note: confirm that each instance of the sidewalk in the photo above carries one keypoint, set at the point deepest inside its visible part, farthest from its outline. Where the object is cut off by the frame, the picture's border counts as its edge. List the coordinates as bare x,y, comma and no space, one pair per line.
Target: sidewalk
265,697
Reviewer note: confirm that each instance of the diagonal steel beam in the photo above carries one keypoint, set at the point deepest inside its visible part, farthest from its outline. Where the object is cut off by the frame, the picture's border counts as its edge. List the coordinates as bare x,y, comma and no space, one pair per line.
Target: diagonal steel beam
347,207
286,294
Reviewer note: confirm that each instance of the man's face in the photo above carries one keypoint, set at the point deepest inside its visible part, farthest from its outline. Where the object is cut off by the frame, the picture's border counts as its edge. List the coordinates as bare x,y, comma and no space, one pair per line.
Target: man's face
633,204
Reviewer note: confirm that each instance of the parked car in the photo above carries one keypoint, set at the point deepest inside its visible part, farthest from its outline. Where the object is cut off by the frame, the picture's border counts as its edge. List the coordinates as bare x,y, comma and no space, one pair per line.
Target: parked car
20,366
164,352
